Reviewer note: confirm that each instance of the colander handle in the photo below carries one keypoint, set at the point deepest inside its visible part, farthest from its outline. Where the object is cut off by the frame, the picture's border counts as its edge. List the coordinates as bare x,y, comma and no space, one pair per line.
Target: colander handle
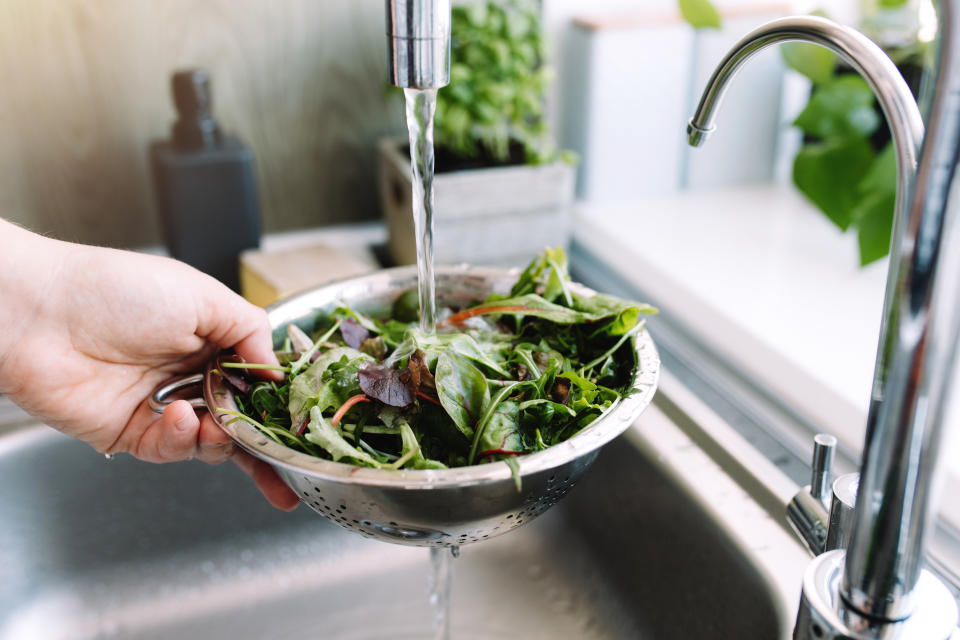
161,396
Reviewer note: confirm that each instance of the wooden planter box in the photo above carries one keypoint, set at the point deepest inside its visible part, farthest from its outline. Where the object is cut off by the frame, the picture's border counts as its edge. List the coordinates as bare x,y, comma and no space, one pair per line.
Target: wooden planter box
502,216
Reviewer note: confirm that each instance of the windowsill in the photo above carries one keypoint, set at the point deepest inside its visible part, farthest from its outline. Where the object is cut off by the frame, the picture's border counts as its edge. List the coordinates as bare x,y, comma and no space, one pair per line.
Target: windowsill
767,282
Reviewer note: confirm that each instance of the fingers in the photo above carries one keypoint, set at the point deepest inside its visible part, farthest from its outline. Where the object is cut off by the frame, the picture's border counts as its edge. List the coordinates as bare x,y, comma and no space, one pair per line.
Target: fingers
169,438
267,481
213,445
228,321
178,434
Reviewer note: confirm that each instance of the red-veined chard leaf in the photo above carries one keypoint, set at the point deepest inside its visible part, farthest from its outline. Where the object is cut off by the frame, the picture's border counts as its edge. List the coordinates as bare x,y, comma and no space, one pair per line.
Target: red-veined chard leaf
501,435
622,315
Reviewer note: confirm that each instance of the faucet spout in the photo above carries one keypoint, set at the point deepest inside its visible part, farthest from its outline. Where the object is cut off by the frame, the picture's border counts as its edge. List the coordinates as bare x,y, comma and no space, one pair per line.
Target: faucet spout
893,94
418,43
873,583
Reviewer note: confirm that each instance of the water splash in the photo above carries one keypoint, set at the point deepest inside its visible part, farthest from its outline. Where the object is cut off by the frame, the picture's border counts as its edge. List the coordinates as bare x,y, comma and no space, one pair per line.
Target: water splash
421,106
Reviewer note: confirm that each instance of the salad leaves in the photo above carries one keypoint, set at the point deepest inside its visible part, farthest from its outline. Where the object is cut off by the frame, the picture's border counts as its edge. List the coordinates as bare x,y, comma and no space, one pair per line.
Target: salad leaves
499,379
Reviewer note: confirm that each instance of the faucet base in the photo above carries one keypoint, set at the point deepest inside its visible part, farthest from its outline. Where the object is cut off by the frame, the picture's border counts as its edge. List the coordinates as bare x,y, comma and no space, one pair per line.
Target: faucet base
824,615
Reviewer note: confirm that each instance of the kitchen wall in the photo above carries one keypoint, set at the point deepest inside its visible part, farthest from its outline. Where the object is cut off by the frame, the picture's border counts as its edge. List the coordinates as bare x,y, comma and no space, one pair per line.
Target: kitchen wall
85,87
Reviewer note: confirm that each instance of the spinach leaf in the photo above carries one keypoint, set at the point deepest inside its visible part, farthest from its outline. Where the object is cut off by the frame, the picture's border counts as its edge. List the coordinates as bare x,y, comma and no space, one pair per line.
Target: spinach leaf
462,390
489,413
491,353
502,433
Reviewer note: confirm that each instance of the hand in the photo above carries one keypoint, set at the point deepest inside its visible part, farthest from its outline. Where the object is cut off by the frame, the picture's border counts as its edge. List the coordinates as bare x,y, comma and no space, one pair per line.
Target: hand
86,334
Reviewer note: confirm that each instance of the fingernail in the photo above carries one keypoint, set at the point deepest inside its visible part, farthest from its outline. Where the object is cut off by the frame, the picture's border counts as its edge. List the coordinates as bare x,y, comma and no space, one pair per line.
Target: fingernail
185,422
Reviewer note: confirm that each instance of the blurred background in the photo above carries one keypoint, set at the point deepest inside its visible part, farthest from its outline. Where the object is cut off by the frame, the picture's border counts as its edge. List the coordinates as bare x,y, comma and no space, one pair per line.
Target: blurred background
86,88
302,82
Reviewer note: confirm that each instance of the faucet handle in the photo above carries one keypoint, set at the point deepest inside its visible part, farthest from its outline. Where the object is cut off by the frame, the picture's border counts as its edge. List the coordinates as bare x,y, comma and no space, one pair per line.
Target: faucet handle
821,467
841,511
807,511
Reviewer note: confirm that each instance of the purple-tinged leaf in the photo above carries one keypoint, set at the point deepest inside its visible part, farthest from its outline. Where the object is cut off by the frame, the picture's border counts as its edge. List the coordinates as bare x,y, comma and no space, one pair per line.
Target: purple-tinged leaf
420,372
387,385
353,333
236,380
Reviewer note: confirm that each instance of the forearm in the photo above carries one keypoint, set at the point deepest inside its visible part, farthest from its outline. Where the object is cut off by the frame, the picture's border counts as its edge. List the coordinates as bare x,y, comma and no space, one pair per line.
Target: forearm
29,268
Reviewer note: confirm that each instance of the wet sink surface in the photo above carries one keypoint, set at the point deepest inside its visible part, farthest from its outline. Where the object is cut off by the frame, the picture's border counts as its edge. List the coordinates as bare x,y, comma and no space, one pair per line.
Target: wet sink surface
91,548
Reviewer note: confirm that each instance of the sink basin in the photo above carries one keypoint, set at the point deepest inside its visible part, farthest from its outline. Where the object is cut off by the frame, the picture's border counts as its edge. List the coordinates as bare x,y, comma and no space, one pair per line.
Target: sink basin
91,548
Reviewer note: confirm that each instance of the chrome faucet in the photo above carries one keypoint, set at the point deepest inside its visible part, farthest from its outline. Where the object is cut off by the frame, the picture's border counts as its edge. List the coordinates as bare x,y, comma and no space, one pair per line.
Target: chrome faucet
418,40
876,587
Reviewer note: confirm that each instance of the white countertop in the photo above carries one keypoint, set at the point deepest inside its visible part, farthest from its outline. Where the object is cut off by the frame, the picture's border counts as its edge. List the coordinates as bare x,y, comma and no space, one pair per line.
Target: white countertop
766,280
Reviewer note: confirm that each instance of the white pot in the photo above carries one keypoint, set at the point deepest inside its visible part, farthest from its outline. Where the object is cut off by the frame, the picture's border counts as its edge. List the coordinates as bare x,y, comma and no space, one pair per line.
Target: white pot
502,215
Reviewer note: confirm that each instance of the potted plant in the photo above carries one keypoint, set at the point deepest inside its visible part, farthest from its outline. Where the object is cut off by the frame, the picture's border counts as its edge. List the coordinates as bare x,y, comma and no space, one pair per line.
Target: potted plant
846,166
502,192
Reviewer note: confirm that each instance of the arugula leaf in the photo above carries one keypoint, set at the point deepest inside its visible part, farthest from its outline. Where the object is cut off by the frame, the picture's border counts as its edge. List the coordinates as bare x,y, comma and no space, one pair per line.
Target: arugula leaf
318,387
325,435
411,448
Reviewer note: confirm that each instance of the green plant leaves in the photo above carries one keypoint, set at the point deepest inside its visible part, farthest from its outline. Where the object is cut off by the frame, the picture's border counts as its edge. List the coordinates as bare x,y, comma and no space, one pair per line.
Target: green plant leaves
843,107
478,391
326,383
323,434
828,173
501,433
462,390
497,83
874,225
837,168
699,13
874,213
816,62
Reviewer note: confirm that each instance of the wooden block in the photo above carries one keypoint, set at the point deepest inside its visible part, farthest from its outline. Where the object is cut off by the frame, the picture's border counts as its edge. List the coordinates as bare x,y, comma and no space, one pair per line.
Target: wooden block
266,277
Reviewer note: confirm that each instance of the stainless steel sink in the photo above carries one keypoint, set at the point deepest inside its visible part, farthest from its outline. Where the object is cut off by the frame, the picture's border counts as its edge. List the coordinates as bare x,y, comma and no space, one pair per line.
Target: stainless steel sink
91,548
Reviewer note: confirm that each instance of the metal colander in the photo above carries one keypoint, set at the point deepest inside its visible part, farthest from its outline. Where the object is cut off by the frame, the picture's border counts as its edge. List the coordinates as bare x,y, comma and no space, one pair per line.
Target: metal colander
448,507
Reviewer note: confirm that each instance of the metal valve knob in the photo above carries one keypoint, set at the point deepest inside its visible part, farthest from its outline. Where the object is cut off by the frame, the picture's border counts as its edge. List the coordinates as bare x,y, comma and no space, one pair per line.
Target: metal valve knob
807,511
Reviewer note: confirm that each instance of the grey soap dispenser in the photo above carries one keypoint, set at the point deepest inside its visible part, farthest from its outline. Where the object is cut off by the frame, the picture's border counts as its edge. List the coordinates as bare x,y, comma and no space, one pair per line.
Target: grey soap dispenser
205,185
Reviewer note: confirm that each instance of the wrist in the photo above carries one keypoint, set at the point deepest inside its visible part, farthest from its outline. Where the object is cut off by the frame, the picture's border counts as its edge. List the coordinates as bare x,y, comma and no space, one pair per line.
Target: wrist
29,268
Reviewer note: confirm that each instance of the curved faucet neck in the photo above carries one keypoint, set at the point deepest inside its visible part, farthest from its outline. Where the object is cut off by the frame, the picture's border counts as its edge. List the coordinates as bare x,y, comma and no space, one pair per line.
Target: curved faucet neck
884,557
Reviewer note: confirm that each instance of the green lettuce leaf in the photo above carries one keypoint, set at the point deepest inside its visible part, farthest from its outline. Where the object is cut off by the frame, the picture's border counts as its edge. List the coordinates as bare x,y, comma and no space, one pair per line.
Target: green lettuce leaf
323,434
